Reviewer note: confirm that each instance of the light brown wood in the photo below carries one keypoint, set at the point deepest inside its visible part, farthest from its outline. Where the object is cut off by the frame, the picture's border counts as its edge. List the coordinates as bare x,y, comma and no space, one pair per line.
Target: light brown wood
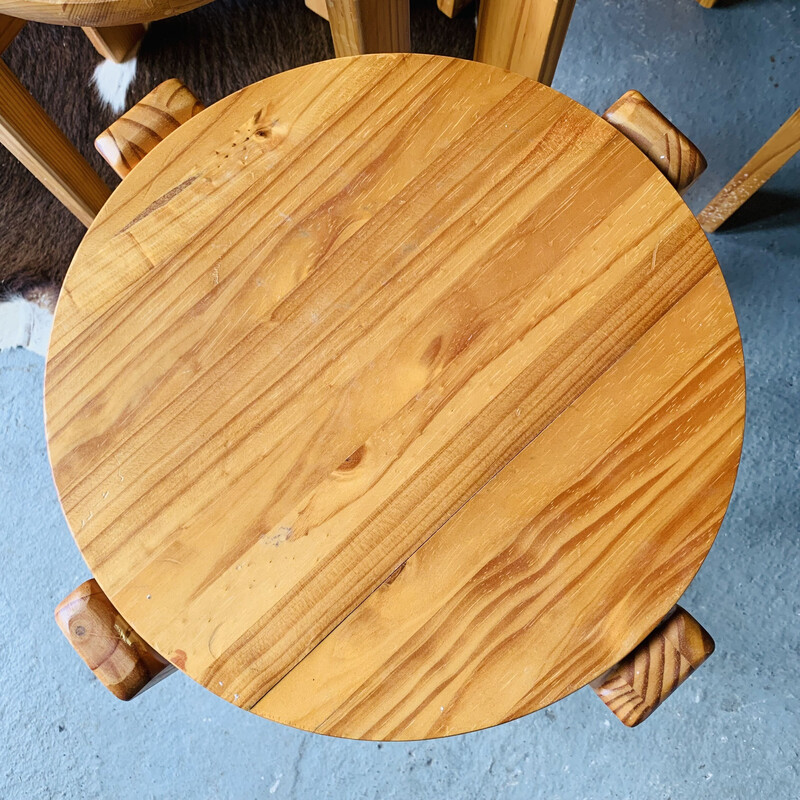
452,7
33,138
639,684
525,36
778,149
669,149
9,28
369,26
118,43
128,140
363,454
123,662
97,13
318,7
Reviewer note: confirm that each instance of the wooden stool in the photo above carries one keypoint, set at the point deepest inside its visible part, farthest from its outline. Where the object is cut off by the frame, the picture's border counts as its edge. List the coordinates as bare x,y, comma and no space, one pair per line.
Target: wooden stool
525,36
115,28
394,397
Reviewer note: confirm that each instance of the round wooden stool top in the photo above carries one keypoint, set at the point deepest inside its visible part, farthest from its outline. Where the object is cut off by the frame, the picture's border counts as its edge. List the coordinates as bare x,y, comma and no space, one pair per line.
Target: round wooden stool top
98,13
394,397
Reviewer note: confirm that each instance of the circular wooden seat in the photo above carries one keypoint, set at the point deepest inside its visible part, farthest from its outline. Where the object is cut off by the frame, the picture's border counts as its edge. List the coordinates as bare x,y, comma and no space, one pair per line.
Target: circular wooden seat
394,397
100,13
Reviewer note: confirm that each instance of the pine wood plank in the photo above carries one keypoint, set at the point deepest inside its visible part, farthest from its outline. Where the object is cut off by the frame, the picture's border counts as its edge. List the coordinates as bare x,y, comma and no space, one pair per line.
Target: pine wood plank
128,140
647,676
117,43
588,498
779,148
33,138
9,28
525,36
97,13
351,307
120,659
675,155
369,26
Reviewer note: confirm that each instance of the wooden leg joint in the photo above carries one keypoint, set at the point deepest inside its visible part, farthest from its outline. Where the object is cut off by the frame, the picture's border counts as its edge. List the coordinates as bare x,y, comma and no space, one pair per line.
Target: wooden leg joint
647,676
128,140
669,149
118,43
123,662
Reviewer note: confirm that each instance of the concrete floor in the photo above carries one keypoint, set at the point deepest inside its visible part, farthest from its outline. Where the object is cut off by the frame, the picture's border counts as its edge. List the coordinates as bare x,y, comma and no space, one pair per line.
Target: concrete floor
728,77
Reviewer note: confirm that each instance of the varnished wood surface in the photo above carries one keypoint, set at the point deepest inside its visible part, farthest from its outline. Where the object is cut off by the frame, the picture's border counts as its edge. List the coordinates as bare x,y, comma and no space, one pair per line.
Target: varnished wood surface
667,147
9,28
644,679
120,659
452,7
128,140
525,36
778,149
412,402
318,7
97,13
117,43
369,26
33,138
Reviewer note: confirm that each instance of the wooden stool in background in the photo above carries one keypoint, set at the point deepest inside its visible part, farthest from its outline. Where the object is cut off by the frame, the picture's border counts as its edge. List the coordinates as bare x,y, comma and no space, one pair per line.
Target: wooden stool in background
115,28
394,397
780,147
525,36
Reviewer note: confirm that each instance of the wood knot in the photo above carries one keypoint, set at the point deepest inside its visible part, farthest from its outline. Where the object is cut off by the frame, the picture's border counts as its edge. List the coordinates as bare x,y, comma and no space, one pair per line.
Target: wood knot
353,460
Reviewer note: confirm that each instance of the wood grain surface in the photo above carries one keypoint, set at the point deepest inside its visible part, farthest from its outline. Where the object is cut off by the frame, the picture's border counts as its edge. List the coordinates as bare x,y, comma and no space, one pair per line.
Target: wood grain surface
117,43
33,138
97,13
667,147
777,150
158,114
647,676
9,28
394,397
525,36
120,659
369,26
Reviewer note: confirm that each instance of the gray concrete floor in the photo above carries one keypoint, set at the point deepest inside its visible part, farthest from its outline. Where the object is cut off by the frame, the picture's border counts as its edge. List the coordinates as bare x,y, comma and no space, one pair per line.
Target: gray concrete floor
728,77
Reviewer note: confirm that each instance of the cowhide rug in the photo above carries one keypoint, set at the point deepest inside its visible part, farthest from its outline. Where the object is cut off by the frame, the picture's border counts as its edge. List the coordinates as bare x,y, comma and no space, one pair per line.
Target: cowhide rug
214,50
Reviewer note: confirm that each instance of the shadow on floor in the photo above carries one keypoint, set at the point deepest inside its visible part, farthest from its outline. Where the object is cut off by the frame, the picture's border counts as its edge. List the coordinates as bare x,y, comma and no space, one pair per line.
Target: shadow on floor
765,210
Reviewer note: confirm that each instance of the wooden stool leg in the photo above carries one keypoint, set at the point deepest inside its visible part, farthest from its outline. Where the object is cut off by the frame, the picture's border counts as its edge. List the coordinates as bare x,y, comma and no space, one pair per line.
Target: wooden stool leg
116,43
778,149
9,28
638,684
524,36
123,662
670,150
128,140
369,26
32,137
